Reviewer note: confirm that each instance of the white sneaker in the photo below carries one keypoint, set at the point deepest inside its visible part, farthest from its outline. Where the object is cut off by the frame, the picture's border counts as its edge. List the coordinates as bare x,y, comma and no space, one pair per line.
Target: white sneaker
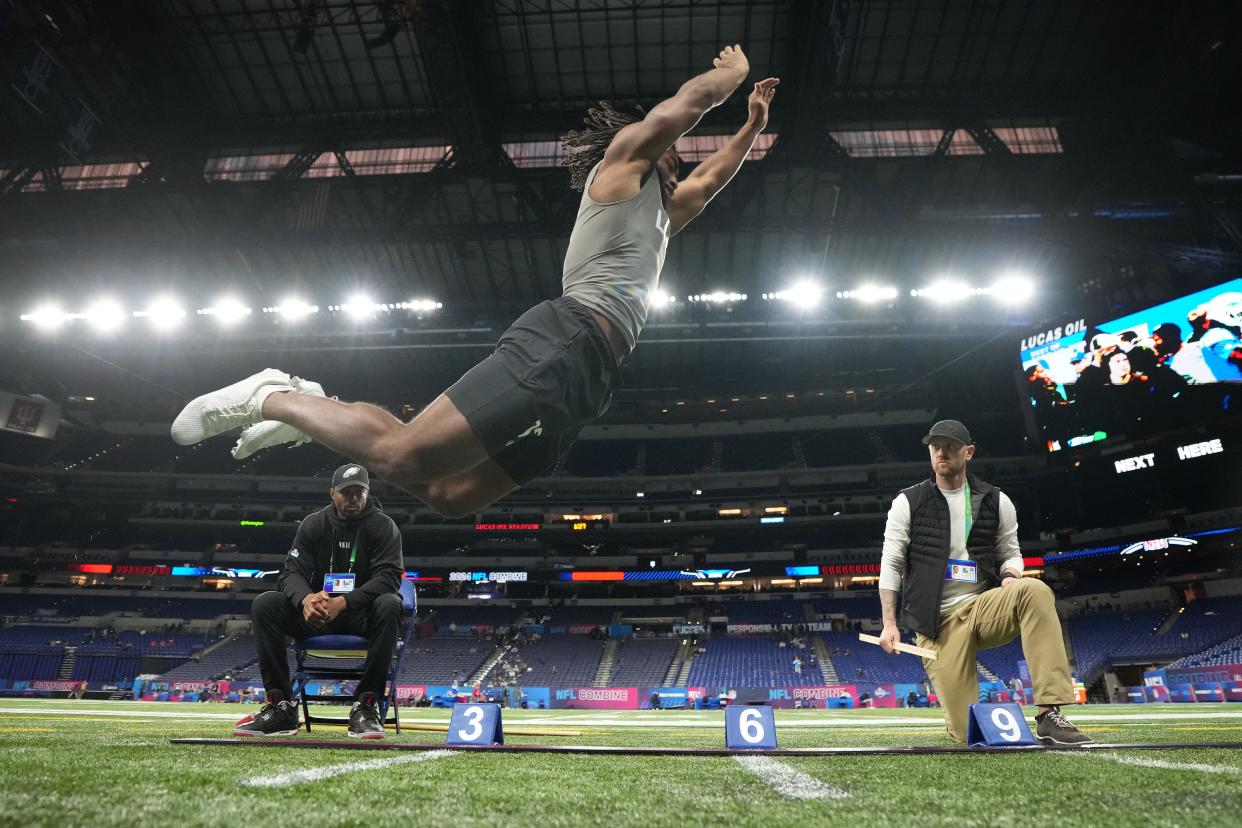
270,433
235,405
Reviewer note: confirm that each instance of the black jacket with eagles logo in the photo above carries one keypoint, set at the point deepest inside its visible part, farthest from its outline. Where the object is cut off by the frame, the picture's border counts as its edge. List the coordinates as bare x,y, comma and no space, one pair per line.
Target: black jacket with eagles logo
323,545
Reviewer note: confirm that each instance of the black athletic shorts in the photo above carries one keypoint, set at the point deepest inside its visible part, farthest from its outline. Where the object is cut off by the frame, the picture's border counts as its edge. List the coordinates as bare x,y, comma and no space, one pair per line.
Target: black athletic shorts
551,373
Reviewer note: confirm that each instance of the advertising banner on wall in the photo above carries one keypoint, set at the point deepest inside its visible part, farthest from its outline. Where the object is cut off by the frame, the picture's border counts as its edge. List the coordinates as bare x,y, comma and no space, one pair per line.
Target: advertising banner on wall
1215,674
1182,693
672,696
802,626
1155,693
597,698
57,685
199,686
533,698
842,695
884,695
410,691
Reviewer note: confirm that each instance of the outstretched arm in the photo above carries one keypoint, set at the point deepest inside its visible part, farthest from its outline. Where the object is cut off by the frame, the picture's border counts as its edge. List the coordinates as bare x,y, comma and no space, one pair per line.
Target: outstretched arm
711,176
672,118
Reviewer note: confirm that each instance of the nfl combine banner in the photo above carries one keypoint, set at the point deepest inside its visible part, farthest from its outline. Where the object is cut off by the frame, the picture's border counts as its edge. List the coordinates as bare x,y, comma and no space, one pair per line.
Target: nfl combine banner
597,698
841,695
1204,676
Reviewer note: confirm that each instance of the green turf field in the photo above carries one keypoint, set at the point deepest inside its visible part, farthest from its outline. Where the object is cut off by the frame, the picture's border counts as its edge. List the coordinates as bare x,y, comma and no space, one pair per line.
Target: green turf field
109,763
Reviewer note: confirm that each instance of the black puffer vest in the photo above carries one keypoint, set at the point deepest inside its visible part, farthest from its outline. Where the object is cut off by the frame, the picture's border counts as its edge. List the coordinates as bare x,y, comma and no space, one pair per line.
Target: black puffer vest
928,552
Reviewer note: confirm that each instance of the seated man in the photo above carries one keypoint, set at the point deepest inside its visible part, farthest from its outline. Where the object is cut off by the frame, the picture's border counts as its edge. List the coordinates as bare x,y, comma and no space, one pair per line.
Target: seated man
951,547
353,550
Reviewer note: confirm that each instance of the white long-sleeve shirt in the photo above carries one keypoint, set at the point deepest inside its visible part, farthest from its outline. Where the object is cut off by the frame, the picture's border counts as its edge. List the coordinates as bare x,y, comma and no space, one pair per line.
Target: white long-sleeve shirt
897,540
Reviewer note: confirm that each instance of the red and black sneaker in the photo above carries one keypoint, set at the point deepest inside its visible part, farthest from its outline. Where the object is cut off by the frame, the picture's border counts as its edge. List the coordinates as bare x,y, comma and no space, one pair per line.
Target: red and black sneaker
274,719
364,719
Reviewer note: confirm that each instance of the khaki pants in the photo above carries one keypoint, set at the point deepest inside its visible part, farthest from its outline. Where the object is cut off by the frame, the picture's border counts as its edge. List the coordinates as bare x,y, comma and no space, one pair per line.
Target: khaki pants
1026,607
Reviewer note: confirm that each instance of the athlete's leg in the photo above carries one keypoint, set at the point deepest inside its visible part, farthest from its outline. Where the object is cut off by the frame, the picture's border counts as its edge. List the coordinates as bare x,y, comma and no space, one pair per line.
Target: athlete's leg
437,443
467,492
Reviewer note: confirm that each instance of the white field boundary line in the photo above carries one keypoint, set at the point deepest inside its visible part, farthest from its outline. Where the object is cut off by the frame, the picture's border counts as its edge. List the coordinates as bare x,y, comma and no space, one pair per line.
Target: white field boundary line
1145,762
123,714
864,714
284,780
829,720
787,781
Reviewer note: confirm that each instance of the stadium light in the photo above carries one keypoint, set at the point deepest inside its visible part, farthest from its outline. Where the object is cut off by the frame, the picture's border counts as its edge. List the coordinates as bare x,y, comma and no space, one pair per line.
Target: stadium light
718,297
661,298
105,316
227,311
1012,289
946,291
295,309
803,294
359,307
869,294
421,305
163,314
47,317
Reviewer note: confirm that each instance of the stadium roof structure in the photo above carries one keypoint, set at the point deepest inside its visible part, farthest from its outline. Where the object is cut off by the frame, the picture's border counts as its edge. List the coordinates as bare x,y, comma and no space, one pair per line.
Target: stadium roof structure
412,148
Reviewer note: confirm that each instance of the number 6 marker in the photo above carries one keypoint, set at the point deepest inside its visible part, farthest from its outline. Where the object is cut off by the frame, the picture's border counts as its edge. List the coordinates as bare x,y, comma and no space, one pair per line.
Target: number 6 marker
749,728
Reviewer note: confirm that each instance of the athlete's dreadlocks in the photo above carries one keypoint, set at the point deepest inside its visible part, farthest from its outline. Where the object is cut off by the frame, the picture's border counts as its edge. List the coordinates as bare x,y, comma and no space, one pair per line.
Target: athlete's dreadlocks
584,148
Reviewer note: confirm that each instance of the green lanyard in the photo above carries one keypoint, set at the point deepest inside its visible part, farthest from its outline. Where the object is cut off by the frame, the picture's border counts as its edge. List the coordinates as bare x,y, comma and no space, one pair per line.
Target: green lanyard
353,554
968,511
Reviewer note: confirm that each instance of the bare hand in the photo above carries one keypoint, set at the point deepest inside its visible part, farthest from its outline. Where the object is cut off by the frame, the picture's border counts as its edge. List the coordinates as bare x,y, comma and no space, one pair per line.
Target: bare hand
1008,579
732,57
332,607
313,609
759,100
889,639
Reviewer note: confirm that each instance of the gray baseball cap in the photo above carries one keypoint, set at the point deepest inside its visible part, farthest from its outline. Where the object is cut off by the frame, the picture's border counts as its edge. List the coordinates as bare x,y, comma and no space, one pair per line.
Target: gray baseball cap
951,429
350,474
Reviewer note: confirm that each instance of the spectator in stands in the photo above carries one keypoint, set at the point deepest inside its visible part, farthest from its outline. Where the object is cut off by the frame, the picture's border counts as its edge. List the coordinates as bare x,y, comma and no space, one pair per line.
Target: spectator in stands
797,665
1018,691
951,548
353,550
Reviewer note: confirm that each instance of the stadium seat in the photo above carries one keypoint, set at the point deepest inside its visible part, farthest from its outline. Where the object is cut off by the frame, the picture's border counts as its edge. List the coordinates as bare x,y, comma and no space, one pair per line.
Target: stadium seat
314,657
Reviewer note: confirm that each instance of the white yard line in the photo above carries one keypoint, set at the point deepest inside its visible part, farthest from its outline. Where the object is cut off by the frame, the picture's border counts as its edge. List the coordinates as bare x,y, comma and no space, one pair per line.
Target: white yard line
788,782
1144,762
634,718
130,714
284,780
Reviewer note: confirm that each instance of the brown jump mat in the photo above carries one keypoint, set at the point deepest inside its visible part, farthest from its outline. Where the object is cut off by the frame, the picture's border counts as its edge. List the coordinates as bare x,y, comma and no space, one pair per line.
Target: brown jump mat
607,750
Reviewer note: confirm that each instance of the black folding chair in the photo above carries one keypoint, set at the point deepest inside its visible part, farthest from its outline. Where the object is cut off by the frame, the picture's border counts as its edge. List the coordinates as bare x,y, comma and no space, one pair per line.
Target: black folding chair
318,656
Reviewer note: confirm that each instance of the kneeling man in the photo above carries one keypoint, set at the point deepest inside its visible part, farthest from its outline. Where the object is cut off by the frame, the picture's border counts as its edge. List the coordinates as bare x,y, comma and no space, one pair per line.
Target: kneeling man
951,549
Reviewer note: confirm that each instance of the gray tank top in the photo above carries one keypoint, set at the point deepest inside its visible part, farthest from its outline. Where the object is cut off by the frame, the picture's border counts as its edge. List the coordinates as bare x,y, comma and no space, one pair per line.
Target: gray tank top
615,255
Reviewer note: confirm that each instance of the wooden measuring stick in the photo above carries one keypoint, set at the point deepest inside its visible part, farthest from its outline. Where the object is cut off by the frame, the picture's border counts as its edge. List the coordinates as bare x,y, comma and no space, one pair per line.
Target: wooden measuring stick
901,646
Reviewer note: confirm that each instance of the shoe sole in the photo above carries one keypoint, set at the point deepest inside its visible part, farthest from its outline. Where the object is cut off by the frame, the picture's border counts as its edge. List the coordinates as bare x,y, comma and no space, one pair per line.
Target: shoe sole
1048,740
252,734
353,735
260,436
